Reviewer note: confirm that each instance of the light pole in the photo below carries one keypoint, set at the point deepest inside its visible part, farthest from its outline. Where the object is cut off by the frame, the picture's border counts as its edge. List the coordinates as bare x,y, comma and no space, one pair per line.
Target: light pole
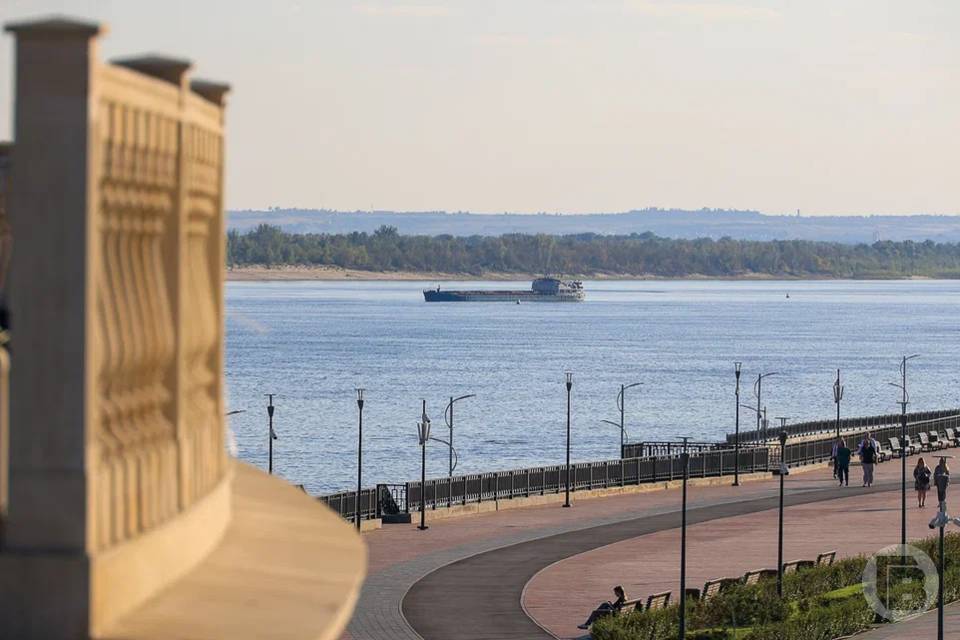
685,462
941,478
448,418
359,455
614,424
784,470
272,434
569,386
620,403
736,442
423,428
903,463
757,390
837,397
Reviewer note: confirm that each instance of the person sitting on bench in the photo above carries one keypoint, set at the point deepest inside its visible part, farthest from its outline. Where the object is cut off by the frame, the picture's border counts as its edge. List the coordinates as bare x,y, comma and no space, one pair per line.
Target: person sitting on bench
607,608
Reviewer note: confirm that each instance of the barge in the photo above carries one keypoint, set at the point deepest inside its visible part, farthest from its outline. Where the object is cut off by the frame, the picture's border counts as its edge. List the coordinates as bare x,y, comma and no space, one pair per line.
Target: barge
541,290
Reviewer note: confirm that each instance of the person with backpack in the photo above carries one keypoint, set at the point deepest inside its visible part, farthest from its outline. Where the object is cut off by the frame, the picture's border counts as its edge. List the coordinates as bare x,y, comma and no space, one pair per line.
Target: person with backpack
868,458
921,482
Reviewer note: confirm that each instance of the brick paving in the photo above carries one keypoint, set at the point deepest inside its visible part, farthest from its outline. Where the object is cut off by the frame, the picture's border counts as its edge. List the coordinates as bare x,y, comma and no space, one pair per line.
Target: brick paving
400,555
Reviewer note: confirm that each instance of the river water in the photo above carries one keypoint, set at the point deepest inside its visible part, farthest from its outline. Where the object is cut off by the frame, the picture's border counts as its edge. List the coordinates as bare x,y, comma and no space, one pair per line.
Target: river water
312,343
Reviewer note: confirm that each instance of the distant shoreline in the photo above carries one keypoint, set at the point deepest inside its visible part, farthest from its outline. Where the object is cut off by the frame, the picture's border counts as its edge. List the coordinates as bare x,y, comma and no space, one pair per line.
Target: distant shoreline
293,273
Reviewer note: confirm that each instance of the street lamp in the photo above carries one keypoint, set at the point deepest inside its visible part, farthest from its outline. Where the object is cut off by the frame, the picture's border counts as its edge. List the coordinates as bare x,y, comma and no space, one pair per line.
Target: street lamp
783,472
614,424
448,418
837,397
903,462
736,442
941,478
423,429
569,376
757,389
272,434
620,403
359,455
761,415
685,462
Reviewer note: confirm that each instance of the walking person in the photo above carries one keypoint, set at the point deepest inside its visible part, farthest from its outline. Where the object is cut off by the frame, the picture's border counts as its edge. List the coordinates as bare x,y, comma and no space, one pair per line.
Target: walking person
921,482
868,458
843,463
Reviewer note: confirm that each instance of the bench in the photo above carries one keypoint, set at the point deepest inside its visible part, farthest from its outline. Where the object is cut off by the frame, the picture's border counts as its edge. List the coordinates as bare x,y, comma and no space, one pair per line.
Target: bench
826,558
630,606
952,437
658,601
937,441
795,566
895,447
911,446
753,577
886,452
714,587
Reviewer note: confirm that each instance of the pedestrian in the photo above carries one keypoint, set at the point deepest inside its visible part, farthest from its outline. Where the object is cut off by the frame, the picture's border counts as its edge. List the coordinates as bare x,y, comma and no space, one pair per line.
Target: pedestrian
921,482
941,478
868,458
843,463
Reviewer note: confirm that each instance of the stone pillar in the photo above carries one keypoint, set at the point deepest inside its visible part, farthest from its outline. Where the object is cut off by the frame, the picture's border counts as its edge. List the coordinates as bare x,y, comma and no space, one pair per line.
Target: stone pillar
117,483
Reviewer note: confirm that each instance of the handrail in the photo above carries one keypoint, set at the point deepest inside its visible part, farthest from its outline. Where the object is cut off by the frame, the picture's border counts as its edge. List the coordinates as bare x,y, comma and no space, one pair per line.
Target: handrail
813,427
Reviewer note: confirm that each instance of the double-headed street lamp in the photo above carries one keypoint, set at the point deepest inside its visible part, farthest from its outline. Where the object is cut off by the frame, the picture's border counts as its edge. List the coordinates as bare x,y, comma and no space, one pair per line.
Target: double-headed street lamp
757,389
837,397
736,442
423,430
448,418
272,435
569,377
903,461
359,455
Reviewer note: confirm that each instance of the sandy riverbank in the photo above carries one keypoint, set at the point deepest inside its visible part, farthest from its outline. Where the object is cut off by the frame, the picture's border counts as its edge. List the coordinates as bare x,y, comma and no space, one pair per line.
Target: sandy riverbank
291,272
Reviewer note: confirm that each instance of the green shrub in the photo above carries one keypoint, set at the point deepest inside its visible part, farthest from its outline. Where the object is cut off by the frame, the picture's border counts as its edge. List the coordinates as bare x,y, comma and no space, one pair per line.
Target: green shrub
661,624
821,623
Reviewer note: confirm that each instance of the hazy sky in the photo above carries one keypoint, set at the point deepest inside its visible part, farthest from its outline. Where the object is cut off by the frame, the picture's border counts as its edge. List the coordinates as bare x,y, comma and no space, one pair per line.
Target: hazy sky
829,106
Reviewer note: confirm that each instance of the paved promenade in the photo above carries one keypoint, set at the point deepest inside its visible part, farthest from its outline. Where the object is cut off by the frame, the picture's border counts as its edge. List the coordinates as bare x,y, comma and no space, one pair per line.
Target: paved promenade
400,555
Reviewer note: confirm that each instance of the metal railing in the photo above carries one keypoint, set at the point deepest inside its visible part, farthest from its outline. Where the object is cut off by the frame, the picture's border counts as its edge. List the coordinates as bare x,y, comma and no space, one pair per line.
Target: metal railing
345,502
665,448
518,483
812,451
815,427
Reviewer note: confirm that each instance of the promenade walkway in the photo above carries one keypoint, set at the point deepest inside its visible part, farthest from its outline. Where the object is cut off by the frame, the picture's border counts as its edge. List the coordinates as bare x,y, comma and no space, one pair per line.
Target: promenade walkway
453,603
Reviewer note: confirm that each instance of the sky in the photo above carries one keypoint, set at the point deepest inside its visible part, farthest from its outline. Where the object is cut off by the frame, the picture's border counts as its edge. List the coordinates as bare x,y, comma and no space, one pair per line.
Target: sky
827,106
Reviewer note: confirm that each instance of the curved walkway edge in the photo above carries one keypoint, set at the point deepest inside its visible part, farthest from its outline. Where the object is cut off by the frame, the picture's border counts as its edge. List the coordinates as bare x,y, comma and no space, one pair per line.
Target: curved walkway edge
479,597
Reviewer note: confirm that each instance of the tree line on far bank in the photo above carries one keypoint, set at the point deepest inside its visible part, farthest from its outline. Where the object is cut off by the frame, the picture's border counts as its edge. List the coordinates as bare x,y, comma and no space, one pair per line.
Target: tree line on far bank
642,254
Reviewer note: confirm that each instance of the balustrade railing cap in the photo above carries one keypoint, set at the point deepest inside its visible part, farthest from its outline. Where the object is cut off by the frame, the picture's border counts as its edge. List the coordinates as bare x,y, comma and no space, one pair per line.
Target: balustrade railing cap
55,26
158,66
213,91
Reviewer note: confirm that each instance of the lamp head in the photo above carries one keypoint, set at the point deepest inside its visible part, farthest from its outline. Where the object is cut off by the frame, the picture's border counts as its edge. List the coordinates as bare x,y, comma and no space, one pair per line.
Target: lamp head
569,376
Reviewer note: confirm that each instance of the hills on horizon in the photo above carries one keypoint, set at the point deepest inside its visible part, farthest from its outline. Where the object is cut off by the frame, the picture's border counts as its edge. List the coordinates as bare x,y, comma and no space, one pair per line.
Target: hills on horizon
667,223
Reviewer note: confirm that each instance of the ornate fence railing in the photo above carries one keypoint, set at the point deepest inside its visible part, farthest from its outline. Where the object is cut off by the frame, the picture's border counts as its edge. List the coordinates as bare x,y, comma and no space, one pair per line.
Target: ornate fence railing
666,448
815,427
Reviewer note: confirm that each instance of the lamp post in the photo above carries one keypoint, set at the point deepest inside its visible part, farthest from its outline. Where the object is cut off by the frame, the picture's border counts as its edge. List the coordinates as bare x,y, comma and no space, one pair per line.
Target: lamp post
837,397
941,478
272,434
448,418
736,441
423,428
620,403
569,376
359,455
685,462
757,390
903,463
783,472
617,425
